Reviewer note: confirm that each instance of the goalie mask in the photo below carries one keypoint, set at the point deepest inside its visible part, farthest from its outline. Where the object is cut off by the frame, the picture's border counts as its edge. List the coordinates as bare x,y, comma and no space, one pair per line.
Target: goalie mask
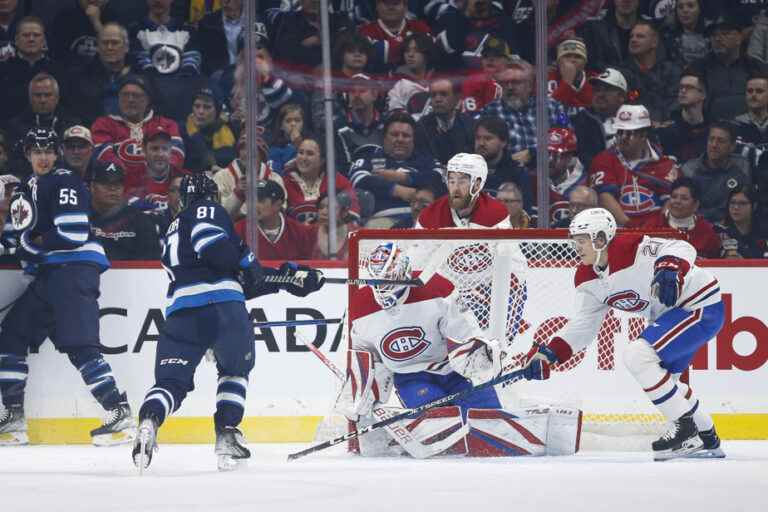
597,223
388,261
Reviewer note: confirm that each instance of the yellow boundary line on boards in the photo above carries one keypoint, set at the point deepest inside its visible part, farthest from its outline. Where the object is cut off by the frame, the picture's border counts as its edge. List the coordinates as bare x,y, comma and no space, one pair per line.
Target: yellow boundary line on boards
298,429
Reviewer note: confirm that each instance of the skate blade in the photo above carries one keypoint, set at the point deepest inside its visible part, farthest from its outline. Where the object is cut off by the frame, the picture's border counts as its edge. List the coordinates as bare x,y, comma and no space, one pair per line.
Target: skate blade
115,438
716,453
229,463
688,448
14,439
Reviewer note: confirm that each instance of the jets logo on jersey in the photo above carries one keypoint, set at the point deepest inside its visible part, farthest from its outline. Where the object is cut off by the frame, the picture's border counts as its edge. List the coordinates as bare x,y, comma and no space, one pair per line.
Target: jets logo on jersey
628,300
22,213
404,343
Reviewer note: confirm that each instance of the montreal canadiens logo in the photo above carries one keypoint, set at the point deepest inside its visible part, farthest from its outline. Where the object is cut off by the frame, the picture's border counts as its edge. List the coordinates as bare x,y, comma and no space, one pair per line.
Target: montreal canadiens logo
404,343
637,199
628,301
22,213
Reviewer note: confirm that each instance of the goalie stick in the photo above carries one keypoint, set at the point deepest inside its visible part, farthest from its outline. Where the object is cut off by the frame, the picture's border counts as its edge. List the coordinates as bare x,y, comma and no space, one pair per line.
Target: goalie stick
409,413
296,323
343,280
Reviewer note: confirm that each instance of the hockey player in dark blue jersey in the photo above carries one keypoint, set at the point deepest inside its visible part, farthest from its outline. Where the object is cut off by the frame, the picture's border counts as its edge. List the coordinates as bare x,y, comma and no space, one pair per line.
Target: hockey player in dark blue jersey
49,230
212,272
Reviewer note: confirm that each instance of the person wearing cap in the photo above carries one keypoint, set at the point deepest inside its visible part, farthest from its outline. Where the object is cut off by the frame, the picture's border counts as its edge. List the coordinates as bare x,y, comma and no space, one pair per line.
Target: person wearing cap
594,125
685,135
481,88
208,140
77,151
123,133
568,82
389,31
279,237
633,178
360,124
655,78
566,172
125,232
726,68
217,35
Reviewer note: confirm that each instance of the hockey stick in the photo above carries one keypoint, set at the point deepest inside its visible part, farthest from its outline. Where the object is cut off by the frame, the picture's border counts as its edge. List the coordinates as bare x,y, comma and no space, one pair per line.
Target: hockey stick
408,413
296,323
401,435
343,280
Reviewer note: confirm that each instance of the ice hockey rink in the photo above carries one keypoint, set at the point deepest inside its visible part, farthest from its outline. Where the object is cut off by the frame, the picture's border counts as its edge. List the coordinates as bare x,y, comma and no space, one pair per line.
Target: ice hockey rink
184,478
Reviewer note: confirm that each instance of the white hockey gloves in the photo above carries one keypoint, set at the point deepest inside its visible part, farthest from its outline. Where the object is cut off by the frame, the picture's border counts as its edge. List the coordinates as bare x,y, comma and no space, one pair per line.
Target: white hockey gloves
478,359
367,384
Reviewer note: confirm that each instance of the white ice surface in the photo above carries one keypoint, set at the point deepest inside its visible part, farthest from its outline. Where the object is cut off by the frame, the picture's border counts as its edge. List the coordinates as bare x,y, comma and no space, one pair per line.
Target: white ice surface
183,478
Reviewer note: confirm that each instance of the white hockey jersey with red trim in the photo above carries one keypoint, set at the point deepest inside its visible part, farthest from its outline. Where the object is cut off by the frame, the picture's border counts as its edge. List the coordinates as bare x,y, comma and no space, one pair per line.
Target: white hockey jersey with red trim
488,212
416,335
627,286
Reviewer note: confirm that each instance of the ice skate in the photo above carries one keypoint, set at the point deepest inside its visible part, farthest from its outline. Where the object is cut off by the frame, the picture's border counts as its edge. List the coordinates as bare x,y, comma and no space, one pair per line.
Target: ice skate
13,427
145,444
711,446
231,451
682,439
119,426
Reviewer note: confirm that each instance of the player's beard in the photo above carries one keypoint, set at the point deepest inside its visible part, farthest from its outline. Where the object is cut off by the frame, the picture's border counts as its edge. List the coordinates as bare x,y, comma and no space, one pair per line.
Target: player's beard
460,203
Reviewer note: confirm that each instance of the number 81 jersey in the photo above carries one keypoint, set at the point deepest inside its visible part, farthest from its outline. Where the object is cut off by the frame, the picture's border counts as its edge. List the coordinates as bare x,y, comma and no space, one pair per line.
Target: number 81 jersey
194,281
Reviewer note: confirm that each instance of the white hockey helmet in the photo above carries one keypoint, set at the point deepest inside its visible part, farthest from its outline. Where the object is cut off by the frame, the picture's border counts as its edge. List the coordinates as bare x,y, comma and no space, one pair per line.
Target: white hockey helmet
632,117
469,163
594,222
388,261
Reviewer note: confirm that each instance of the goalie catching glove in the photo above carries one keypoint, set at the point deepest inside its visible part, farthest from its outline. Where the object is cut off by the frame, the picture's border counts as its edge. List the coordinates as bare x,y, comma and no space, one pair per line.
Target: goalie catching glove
479,360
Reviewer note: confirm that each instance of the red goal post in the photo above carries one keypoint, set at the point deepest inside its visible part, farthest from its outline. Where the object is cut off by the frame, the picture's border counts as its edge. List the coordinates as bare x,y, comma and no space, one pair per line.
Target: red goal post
519,286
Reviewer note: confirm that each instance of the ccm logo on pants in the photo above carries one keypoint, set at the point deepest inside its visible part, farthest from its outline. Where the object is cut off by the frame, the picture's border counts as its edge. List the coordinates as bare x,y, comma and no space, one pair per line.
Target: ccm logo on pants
173,360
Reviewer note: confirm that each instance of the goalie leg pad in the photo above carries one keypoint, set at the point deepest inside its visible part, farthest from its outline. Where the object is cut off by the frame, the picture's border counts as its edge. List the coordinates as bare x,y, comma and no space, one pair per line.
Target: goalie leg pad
366,384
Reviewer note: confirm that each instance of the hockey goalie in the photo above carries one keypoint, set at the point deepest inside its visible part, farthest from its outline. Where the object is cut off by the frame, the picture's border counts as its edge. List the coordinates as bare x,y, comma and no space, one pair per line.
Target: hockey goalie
424,344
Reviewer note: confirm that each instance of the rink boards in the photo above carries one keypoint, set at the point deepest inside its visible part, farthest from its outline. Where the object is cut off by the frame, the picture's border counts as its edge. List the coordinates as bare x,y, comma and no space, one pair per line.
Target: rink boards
290,391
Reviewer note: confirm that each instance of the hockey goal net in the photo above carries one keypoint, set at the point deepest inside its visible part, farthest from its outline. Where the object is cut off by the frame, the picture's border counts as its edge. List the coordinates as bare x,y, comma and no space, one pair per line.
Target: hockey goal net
519,286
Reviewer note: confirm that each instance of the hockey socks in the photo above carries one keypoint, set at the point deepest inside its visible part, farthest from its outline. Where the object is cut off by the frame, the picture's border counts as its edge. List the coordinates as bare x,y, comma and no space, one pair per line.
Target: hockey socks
97,375
13,379
230,401
158,404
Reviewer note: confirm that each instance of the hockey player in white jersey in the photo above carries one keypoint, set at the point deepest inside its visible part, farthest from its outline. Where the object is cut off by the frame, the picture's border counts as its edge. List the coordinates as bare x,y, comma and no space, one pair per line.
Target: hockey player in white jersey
427,345
658,279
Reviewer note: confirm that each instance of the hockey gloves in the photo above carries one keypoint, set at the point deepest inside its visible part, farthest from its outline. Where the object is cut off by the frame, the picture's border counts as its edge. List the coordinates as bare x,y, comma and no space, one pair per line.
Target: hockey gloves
479,360
668,276
301,280
540,358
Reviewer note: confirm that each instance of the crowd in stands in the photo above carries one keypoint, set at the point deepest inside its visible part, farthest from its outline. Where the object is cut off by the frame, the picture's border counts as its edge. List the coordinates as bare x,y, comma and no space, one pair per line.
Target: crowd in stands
658,111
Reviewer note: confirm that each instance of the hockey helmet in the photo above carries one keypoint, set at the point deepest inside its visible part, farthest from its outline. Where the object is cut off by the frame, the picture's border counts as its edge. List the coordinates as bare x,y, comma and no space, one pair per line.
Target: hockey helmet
388,261
41,138
632,117
469,163
594,222
197,187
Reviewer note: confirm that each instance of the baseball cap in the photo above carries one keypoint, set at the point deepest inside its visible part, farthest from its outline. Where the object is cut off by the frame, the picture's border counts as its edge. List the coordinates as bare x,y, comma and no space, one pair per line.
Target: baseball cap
612,77
572,47
78,132
724,21
632,117
495,47
137,80
270,189
108,172
153,130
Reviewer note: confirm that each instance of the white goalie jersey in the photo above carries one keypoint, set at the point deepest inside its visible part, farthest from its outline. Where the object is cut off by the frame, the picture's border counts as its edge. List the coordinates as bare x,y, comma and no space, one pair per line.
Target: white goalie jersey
416,335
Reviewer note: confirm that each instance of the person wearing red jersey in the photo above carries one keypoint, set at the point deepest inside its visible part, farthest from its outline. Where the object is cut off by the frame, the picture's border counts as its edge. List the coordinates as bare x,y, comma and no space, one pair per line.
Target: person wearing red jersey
479,89
568,82
657,279
633,178
466,205
389,31
680,214
279,236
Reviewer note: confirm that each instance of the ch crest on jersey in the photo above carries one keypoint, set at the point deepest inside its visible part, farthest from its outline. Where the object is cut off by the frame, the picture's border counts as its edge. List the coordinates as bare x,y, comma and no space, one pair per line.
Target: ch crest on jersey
637,199
22,212
404,343
628,300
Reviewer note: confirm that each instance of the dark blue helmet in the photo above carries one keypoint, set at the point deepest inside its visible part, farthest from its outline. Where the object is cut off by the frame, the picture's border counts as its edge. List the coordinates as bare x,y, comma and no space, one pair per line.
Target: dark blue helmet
41,138
196,187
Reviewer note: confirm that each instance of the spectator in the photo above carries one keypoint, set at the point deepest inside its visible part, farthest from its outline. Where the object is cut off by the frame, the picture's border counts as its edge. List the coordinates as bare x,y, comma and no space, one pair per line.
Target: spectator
163,218
158,16
752,127
124,231
481,88
217,34
445,131
279,237
608,38
411,91
209,142
656,79
389,31
30,60
568,82
685,40
287,133
741,232
44,111
566,172
392,173
492,143
517,107
758,40
680,214
346,222
77,151
305,182
726,69
685,135
510,195
10,14
75,30
5,152
594,126
423,197
124,132
579,199
633,178
198,9
718,171
361,124
95,83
